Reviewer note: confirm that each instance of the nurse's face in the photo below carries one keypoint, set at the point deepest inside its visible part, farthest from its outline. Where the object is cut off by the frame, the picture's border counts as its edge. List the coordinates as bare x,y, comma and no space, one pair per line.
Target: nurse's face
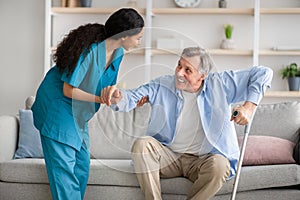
130,42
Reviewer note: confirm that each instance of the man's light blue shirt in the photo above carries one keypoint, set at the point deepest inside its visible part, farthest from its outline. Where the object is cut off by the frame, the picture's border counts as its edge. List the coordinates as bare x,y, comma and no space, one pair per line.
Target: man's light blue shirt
219,91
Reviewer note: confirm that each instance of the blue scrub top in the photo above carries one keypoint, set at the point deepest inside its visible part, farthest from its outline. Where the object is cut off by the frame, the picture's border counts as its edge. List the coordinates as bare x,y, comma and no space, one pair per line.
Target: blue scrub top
64,119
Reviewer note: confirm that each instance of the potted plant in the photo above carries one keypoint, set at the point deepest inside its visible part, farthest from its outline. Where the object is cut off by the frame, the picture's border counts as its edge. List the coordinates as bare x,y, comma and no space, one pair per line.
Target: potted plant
86,3
222,4
228,42
292,73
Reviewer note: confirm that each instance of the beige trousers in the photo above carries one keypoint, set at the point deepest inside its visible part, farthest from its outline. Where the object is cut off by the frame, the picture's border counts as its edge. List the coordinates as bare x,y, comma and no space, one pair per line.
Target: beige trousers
152,160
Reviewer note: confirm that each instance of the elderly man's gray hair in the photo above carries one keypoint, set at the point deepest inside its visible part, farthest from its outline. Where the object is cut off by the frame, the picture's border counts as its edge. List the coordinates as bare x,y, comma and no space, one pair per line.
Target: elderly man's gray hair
205,64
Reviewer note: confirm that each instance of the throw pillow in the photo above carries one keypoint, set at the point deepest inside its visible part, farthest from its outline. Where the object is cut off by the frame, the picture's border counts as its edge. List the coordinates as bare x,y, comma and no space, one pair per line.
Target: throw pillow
29,144
297,152
29,102
267,150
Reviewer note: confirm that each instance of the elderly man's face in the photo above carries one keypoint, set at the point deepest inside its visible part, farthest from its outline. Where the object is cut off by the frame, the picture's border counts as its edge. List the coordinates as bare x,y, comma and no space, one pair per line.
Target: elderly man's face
187,76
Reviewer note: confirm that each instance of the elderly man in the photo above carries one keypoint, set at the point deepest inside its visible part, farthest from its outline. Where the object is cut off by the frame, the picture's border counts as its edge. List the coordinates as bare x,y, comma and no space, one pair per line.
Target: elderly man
191,131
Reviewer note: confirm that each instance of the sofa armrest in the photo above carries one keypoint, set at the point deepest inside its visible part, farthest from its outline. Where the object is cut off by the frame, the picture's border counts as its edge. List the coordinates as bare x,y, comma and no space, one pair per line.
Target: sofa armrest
9,128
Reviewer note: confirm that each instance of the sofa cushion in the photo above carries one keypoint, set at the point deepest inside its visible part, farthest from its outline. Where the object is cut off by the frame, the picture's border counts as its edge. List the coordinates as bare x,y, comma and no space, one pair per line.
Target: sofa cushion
278,120
29,102
29,170
266,150
268,176
9,127
296,153
112,133
120,173
29,143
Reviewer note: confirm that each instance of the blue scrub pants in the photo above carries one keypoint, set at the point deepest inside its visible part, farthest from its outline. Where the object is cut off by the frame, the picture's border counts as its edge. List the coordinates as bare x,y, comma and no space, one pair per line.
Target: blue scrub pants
67,168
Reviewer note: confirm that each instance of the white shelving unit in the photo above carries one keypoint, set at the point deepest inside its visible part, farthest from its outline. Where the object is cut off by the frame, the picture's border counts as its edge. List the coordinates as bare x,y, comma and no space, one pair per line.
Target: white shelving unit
250,51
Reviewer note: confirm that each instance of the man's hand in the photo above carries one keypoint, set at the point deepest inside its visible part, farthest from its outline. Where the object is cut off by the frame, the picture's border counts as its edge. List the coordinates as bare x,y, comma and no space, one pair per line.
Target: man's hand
245,113
110,95
142,101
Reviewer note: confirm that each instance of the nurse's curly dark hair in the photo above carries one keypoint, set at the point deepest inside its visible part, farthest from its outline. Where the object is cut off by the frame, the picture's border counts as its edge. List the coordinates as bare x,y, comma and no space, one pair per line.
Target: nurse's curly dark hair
122,23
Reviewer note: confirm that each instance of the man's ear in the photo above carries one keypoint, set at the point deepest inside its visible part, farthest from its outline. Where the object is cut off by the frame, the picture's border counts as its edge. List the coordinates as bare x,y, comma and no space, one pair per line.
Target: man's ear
202,76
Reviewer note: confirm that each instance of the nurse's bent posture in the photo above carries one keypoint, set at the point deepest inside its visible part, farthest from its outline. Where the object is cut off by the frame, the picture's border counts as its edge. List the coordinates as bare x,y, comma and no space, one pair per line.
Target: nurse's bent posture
87,60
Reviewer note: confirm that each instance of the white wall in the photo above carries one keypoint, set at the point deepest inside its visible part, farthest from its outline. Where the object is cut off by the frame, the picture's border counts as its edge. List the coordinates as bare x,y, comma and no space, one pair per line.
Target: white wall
22,42
21,51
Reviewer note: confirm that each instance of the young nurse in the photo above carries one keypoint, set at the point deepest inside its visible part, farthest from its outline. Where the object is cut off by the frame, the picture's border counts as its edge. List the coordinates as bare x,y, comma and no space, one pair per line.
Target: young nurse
87,60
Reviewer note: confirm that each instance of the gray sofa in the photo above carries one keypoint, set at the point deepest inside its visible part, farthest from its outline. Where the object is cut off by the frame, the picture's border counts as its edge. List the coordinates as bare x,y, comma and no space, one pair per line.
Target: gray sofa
112,175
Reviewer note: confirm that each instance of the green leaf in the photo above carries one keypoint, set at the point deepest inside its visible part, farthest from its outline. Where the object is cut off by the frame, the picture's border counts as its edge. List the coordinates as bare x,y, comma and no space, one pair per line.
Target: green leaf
228,30
290,70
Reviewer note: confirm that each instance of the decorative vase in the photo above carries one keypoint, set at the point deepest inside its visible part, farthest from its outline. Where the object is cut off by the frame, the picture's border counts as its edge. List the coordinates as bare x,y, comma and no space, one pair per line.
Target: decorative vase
73,3
64,3
228,44
294,83
222,4
132,3
86,3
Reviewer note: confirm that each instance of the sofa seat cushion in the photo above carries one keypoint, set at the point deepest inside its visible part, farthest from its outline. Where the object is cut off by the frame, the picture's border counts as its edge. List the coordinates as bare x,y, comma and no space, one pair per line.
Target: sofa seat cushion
28,170
121,173
265,176
112,172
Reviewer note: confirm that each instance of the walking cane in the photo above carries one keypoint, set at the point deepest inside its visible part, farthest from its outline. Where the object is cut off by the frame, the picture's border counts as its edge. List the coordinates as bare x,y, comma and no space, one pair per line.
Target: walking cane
243,148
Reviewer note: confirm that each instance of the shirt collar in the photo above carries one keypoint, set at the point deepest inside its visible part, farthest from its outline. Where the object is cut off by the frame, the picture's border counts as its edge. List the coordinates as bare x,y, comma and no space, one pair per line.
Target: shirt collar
179,92
204,86
102,54
116,58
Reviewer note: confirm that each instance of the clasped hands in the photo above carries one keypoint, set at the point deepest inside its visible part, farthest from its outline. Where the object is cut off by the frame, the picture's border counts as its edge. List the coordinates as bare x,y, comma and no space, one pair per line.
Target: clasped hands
112,95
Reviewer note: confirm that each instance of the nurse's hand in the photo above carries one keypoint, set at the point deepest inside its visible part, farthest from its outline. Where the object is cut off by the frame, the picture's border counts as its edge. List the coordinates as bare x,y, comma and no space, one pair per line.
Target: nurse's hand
110,95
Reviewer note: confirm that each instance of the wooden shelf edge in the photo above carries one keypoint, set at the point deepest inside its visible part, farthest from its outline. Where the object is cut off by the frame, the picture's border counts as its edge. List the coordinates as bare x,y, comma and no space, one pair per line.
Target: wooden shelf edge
279,53
166,52
220,52
280,10
233,52
84,10
288,94
134,51
231,11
